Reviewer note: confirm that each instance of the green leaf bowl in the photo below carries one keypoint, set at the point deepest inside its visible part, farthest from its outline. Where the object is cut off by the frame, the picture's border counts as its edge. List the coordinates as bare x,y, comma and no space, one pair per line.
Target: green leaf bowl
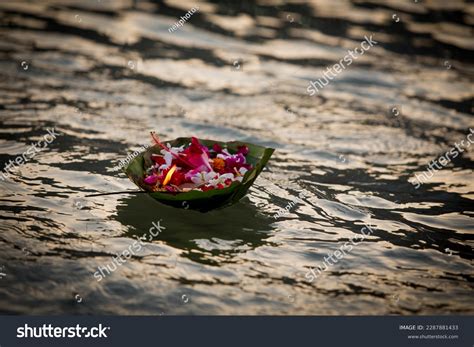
209,200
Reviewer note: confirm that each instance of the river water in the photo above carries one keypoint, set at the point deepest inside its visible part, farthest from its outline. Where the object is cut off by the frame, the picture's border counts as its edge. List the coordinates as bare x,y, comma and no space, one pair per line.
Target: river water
105,73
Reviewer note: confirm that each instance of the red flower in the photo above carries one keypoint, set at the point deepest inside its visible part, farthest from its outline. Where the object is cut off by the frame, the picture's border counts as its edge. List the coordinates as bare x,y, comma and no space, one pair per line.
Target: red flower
177,178
234,161
244,150
196,155
217,148
158,159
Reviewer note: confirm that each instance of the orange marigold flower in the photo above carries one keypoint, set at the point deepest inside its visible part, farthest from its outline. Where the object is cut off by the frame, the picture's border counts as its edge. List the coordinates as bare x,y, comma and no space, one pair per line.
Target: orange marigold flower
218,164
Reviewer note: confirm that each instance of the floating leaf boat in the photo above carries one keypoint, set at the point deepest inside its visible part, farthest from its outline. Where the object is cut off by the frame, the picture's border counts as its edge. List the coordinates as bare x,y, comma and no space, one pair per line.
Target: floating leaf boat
202,201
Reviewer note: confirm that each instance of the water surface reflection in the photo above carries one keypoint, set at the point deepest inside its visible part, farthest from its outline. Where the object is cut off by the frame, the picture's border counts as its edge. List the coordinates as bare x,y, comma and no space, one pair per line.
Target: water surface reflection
106,73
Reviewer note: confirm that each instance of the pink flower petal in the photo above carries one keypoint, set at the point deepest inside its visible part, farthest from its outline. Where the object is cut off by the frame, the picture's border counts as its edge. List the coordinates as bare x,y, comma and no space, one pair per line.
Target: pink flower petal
151,179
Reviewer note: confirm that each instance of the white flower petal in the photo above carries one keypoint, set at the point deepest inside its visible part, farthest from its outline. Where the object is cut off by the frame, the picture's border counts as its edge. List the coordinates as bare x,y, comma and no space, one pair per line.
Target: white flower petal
243,170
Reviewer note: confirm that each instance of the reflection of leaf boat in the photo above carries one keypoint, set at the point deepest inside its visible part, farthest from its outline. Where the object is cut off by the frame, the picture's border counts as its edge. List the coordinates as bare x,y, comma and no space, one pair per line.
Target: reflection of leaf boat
202,201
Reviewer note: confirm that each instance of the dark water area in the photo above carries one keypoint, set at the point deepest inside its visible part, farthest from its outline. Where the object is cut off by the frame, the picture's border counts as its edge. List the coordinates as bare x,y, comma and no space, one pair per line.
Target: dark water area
105,73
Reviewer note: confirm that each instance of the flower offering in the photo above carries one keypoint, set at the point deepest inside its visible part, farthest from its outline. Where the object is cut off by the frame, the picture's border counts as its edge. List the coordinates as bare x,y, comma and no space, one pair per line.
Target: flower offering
195,166
198,174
